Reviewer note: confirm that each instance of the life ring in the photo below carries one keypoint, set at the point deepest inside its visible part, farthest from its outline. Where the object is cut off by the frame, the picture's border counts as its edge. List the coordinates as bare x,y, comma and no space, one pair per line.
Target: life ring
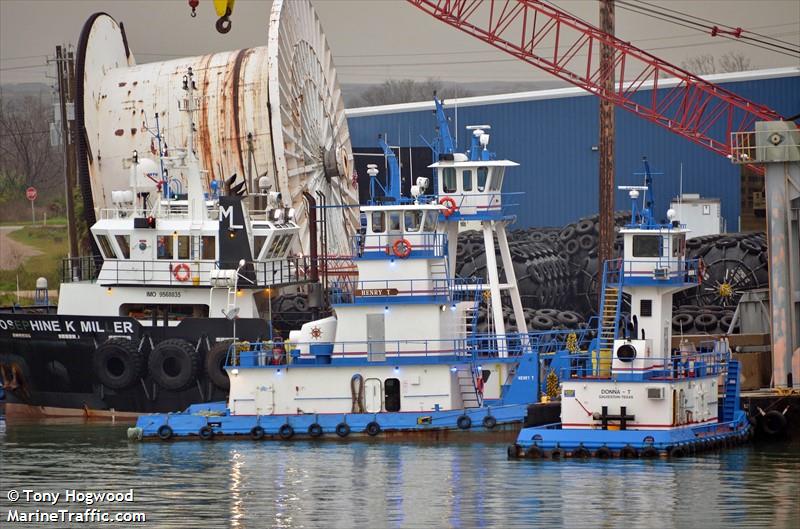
450,203
286,431
182,272
256,433
206,433
402,248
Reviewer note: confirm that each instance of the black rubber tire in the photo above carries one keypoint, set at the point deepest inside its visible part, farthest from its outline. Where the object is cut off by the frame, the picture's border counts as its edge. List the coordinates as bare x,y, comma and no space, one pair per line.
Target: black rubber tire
315,430
572,247
300,304
464,422
256,433
13,362
373,429
286,432
706,322
165,432
567,233
584,226
214,362
603,453
649,452
677,451
569,318
186,359
489,422
628,452
534,452
127,356
542,323
342,429
773,423
581,453
556,453
682,322
587,242
206,433
512,451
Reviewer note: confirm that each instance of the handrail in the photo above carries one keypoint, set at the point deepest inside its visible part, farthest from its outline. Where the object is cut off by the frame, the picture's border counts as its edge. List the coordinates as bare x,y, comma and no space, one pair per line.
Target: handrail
681,365
449,289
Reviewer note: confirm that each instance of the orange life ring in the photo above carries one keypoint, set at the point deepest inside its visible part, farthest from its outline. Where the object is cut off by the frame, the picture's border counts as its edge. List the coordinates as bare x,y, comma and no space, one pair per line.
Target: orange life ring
402,248
181,272
451,205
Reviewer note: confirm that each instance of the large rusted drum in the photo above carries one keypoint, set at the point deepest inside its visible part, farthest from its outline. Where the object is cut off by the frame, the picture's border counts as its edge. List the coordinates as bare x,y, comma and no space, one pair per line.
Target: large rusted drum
273,111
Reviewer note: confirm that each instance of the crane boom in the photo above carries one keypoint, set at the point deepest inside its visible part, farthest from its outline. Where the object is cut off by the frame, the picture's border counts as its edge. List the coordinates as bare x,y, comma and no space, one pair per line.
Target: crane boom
568,48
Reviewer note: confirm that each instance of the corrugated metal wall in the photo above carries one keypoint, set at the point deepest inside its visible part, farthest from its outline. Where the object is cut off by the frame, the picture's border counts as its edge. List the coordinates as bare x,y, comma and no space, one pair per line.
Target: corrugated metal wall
552,139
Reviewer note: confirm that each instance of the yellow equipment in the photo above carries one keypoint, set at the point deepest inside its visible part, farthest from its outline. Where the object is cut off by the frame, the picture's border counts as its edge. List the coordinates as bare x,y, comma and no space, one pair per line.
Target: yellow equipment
224,9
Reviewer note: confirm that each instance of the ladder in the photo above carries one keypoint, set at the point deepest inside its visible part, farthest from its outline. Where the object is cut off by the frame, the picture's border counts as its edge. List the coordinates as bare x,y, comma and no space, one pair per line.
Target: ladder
731,403
608,325
466,383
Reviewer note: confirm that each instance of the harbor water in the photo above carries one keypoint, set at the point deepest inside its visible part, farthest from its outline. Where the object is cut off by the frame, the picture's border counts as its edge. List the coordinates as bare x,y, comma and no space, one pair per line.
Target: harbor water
389,484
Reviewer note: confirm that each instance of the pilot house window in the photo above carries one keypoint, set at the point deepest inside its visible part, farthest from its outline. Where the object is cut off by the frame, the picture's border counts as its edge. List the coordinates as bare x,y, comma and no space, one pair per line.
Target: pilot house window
164,244
209,247
483,174
184,247
412,220
646,246
378,224
105,247
466,179
124,242
449,180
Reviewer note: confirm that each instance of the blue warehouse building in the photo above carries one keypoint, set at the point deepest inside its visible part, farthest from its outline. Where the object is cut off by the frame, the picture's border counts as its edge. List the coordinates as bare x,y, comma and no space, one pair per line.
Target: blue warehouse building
553,134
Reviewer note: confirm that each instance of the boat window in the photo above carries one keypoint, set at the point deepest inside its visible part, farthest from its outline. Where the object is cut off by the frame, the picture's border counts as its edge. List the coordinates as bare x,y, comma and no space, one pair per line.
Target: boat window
378,222
391,395
449,180
430,221
105,247
483,173
677,245
124,243
646,245
184,247
208,249
413,220
173,311
287,240
645,308
497,181
394,221
258,244
164,243
466,179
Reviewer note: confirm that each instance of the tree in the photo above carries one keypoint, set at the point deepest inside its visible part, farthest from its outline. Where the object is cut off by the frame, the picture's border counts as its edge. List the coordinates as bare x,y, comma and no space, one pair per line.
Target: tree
26,157
733,61
407,91
700,64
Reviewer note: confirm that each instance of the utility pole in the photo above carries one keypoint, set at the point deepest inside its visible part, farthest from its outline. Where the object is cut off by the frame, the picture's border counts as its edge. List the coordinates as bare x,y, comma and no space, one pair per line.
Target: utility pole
605,244
65,69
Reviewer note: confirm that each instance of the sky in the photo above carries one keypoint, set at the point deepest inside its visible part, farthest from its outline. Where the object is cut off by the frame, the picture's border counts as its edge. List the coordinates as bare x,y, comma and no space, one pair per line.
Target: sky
371,40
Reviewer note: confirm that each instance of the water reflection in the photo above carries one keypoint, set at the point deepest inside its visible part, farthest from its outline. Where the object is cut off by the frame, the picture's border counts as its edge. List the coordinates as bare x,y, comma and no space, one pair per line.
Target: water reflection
370,484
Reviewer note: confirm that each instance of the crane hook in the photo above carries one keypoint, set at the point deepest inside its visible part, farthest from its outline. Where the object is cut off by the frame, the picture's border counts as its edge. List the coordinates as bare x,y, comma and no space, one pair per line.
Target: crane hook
193,4
224,22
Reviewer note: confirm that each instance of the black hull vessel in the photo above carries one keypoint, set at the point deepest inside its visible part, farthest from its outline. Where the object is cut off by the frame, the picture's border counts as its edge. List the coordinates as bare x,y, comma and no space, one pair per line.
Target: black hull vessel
113,367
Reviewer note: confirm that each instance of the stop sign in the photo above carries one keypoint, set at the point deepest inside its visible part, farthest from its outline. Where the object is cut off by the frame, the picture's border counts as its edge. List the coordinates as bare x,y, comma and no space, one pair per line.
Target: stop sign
30,193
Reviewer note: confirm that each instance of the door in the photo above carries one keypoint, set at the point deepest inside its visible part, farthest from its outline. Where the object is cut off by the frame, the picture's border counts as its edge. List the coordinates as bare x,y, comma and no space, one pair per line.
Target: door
376,336
373,395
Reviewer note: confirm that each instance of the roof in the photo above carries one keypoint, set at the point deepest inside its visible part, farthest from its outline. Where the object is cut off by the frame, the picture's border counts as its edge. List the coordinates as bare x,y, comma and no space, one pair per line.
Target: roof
475,163
558,93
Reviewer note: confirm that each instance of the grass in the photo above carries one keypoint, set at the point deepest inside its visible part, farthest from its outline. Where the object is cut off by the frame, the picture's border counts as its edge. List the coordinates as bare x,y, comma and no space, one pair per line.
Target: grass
55,221
52,242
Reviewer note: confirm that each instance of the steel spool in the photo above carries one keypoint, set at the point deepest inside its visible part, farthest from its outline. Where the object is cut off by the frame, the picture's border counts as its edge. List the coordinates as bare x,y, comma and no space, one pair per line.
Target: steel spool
276,108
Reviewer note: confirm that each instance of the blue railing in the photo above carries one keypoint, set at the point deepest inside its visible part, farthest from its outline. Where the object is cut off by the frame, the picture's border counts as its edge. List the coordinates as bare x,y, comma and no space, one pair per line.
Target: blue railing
681,365
428,244
543,342
661,270
477,206
382,290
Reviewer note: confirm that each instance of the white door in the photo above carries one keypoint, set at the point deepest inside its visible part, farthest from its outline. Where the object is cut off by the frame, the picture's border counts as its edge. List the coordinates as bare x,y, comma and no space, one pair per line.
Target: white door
376,336
373,395
142,255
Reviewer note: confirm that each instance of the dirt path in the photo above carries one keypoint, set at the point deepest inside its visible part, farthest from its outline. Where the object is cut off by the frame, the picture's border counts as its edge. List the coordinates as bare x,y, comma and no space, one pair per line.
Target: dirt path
13,253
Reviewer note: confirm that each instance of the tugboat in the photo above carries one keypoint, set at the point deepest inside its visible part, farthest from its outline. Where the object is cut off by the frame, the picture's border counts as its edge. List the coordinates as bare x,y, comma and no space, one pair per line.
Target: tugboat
145,327
401,355
633,395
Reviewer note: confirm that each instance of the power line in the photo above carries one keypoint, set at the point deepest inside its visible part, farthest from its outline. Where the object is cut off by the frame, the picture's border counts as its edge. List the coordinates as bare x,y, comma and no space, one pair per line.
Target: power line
29,67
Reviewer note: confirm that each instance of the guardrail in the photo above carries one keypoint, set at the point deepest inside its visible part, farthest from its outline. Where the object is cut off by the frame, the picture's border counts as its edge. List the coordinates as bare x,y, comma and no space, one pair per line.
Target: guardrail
445,290
681,365
662,269
430,244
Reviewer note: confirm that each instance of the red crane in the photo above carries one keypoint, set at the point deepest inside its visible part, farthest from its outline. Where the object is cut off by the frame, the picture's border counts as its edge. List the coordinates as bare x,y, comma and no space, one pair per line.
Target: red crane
568,48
